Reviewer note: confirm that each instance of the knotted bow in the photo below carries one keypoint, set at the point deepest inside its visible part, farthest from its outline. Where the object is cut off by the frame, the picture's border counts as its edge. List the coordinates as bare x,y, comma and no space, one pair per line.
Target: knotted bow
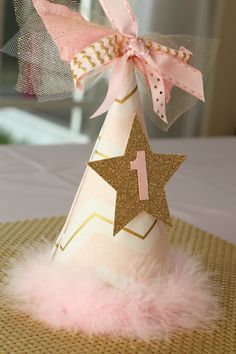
161,66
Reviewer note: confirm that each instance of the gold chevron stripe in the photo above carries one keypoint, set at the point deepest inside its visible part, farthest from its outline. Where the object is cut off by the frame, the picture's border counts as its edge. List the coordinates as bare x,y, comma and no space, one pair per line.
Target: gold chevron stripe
112,45
75,61
102,45
79,64
101,154
118,46
89,59
74,76
98,55
108,221
124,99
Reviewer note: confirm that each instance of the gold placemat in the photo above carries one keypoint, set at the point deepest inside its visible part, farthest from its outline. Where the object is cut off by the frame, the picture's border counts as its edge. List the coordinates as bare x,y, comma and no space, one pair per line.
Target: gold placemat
19,334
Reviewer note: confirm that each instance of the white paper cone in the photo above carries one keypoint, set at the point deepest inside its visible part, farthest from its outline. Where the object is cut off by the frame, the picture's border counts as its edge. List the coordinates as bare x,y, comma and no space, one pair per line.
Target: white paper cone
87,236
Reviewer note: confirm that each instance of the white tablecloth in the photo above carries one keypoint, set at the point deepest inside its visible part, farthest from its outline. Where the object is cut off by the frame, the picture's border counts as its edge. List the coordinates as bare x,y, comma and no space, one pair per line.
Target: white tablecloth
40,181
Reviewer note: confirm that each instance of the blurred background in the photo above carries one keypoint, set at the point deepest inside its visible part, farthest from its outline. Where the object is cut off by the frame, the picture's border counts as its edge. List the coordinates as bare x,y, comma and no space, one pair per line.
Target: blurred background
24,120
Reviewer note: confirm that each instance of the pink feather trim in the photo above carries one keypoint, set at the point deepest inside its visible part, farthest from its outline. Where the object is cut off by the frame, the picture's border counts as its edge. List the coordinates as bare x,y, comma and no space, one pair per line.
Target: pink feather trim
73,299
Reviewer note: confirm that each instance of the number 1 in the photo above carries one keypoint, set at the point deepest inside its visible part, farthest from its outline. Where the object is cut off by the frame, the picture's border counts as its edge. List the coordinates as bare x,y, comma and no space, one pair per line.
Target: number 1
139,164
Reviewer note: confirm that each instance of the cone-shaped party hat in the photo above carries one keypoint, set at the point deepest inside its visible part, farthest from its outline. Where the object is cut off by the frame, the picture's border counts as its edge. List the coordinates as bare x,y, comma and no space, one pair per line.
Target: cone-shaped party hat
111,270
87,237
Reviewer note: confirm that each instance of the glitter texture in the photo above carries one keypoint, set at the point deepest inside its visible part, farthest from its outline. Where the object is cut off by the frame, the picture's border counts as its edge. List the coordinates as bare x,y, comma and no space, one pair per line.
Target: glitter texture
117,172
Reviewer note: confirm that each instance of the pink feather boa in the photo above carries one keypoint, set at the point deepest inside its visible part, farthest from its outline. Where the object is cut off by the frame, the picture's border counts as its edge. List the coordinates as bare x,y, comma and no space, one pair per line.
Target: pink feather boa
73,299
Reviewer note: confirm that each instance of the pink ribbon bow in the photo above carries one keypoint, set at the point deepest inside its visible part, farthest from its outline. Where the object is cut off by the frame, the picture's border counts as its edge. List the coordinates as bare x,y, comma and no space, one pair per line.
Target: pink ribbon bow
162,67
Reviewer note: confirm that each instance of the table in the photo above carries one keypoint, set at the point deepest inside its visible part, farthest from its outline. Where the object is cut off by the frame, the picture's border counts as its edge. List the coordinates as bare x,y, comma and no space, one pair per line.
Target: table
41,181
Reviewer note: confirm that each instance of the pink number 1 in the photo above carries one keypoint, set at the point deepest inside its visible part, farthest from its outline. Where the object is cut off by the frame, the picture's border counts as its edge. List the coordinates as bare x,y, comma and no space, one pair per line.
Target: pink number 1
139,164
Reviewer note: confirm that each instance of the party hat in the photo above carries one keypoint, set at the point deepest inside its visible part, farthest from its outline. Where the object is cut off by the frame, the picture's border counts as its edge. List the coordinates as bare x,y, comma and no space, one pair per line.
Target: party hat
111,270
87,237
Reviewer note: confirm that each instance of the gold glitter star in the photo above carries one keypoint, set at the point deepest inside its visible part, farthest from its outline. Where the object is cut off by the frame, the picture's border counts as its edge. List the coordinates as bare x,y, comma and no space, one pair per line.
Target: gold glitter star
139,177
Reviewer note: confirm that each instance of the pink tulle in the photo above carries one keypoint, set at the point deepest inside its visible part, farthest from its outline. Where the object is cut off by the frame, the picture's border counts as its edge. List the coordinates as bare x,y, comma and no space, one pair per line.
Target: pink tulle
69,30
73,299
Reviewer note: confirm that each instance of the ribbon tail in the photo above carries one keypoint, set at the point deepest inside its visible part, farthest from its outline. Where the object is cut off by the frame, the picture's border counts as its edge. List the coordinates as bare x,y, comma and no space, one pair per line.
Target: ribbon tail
115,83
158,92
179,74
121,16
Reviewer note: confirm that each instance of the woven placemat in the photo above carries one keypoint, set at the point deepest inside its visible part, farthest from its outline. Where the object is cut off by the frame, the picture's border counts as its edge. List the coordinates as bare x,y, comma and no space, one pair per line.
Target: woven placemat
19,334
